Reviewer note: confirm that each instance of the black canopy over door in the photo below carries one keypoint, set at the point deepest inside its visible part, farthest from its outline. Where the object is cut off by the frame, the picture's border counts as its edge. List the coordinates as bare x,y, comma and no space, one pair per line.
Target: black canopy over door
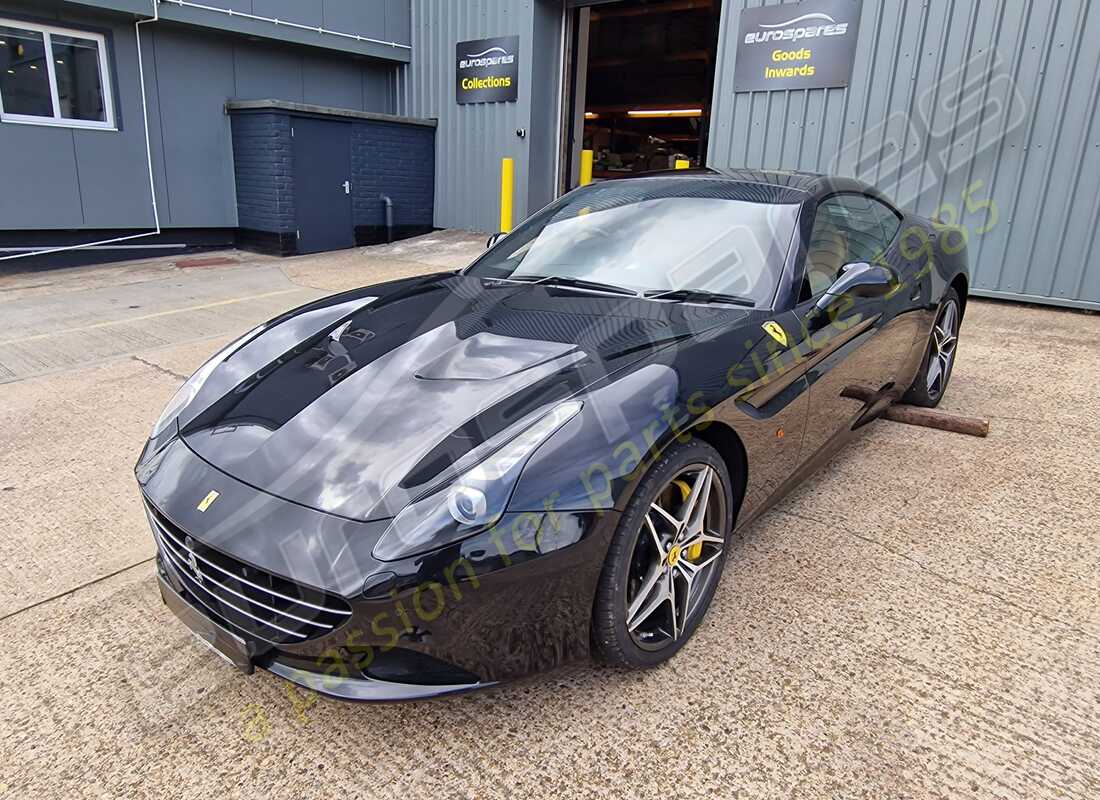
322,184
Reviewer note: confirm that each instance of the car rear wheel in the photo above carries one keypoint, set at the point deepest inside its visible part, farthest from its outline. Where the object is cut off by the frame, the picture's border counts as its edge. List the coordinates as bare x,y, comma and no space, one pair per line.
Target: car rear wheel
665,559
939,357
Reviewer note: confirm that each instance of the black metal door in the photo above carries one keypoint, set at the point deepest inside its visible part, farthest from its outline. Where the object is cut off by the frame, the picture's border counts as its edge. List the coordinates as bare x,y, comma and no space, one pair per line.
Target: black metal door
322,184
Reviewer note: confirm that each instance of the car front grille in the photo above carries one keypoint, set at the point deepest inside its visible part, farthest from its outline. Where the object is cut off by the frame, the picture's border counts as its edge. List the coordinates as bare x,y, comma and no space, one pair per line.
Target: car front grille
247,599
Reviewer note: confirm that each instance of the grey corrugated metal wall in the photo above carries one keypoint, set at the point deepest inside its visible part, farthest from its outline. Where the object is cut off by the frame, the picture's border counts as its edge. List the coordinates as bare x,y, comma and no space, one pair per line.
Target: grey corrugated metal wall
999,96
472,139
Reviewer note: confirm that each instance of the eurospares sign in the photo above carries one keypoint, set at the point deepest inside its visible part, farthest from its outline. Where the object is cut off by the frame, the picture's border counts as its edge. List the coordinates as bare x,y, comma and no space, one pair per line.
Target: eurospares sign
807,45
487,70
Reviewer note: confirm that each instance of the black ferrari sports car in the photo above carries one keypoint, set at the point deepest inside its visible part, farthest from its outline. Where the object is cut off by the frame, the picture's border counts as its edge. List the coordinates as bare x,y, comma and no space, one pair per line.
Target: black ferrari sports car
447,481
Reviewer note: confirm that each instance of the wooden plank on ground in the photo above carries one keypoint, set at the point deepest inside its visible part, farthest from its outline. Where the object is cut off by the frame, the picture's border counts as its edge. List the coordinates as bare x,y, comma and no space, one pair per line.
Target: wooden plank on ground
925,417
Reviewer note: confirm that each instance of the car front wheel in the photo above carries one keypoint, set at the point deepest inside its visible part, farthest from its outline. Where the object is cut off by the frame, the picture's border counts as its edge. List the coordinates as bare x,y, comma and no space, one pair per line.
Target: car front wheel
666,558
939,357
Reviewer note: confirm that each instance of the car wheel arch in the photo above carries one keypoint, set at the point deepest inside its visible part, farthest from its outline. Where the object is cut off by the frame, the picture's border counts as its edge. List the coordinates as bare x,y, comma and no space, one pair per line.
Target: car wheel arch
962,288
719,435
725,439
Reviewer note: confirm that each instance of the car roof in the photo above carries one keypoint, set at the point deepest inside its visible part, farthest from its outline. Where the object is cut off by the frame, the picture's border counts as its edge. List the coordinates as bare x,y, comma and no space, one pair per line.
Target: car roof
788,185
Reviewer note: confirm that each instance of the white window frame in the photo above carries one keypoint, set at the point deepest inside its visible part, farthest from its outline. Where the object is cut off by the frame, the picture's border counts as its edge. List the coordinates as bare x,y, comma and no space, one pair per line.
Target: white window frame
57,120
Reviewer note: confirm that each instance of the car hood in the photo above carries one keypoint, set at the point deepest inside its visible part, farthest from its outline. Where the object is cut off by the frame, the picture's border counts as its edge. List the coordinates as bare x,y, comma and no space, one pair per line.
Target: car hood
354,404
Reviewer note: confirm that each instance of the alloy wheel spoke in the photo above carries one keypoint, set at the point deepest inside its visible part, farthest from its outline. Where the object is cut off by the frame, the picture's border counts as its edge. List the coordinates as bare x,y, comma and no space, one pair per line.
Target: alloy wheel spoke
676,618
671,520
656,537
692,568
696,505
935,370
654,592
703,538
944,340
689,572
682,599
948,322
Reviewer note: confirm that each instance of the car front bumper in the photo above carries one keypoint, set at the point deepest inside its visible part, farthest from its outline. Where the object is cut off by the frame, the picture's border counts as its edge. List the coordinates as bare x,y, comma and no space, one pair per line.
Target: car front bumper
496,606
246,656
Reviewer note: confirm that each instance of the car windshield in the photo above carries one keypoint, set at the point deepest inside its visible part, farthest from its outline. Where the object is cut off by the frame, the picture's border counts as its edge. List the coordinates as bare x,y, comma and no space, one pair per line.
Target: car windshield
651,236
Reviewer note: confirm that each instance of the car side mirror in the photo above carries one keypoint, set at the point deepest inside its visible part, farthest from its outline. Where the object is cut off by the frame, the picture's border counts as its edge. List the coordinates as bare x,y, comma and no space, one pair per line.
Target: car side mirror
858,279
496,237
861,279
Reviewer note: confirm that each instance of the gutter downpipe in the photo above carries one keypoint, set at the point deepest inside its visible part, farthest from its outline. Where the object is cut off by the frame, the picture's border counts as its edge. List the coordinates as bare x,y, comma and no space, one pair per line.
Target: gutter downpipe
388,204
148,158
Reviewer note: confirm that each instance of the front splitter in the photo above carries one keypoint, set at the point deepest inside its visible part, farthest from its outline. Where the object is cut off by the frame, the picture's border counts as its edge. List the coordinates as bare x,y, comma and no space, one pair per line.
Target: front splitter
367,690
235,650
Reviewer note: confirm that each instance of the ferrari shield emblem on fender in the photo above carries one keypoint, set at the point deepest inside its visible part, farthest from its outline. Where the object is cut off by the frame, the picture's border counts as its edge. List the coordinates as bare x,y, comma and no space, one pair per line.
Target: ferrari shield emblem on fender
207,501
775,330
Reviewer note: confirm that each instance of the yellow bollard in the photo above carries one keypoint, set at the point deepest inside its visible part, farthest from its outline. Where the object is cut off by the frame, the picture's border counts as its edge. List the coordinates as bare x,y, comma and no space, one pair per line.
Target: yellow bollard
586,167
507,182
682,164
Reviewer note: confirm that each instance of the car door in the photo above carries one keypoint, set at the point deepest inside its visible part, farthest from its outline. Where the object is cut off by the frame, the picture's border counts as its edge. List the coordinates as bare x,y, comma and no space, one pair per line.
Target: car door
854,351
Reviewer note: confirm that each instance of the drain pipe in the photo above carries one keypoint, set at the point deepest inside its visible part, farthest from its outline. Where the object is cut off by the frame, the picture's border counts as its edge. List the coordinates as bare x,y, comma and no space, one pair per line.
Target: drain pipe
148,158
388,204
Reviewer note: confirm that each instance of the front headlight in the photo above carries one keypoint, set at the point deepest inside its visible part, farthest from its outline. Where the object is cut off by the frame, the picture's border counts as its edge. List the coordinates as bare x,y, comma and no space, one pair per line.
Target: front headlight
191,386
474,501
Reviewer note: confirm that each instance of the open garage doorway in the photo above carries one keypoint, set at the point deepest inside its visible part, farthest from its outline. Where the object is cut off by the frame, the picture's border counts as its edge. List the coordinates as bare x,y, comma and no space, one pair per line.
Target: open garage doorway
641,75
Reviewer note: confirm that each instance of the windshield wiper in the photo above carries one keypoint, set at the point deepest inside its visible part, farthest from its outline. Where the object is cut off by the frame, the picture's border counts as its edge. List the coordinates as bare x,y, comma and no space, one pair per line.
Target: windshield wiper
700,296
577,283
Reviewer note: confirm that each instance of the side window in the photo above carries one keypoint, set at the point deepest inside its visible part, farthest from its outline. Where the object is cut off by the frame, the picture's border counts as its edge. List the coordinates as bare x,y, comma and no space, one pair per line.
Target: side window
847,228
888,219
54,76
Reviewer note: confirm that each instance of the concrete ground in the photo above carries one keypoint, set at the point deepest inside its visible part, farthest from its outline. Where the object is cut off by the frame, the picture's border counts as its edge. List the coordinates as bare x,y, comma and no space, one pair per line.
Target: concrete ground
920,619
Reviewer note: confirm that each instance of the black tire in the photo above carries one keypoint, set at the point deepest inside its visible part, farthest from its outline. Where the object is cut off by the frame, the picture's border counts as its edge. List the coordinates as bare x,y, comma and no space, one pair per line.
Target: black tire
612,642
924,391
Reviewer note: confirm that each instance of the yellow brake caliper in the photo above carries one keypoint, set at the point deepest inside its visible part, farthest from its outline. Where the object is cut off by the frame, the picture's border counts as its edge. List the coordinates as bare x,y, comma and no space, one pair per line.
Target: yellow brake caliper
696,550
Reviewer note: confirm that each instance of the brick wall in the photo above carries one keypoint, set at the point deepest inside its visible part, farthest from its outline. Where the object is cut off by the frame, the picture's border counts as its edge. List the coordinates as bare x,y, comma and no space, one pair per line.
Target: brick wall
397,160
264,167
387,158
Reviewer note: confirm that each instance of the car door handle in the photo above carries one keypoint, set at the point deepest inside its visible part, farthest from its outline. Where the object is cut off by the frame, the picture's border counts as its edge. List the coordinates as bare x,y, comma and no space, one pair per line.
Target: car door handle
347,187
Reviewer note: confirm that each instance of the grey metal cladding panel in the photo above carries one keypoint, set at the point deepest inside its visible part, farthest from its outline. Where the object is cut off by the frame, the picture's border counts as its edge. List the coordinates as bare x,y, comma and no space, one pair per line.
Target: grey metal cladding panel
111,166
378,93
1044,170
1075,191
99,179
398,21
129,6
69,178
41,189
998,97
1056,158
29,10
264,72
294,12
305,12
543,130
333,82
368,19
471,139
194,77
